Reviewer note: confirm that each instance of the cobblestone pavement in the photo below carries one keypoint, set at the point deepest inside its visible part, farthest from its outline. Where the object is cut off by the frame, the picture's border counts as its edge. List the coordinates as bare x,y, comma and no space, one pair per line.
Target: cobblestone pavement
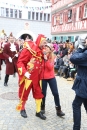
10,119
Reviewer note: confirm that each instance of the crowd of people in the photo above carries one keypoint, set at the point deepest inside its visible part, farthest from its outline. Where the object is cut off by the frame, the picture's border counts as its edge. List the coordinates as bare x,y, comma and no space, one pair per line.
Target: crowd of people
35,63
63,67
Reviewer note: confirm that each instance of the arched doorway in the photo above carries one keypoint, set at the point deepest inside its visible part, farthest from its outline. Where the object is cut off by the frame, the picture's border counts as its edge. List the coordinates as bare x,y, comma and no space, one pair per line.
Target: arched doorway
24,36
24,33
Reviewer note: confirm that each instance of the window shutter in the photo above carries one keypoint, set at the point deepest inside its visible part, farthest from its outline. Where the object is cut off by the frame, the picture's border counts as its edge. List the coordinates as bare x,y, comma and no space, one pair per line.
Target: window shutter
52,20
58,19
63,17
74,11
66,17
81,11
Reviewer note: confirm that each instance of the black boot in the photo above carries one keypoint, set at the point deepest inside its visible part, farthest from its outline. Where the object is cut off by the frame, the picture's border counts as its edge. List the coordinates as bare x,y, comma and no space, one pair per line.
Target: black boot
59,112
42,109
5,84
6,80
23,113
40,115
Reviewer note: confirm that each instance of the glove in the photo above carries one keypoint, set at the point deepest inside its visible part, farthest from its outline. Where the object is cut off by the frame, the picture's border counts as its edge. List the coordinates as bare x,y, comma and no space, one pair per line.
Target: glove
10,59
27,75
16,55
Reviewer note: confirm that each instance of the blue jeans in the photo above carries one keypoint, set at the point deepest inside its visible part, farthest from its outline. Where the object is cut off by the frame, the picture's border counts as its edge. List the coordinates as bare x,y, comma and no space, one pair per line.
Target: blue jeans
53,86
77,111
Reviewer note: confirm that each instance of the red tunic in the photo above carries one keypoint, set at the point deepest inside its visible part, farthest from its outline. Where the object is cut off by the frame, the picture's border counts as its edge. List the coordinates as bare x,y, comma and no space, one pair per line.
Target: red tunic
1,55
10,67
24,65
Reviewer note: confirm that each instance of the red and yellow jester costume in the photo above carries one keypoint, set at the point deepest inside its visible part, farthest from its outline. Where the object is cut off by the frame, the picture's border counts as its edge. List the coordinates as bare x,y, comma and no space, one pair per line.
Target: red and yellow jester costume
30,60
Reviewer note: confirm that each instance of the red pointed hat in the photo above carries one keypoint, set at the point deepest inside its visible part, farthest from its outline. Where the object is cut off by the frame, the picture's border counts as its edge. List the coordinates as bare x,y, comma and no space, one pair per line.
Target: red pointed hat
39,39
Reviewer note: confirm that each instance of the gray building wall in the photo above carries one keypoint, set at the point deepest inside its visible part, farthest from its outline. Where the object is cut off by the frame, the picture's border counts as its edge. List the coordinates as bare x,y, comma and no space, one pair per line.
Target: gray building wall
16,25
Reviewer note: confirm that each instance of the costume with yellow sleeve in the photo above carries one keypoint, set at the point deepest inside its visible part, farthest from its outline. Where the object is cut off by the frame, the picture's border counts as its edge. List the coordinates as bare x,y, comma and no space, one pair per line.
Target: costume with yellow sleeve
30,60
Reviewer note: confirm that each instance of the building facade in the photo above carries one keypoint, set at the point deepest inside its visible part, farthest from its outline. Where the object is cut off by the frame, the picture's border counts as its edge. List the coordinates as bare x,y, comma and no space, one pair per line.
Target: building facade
69,19
14,16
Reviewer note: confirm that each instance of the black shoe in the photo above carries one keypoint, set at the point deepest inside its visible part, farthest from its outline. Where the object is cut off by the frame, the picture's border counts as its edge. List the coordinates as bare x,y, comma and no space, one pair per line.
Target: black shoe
23,113
59,112
40,115
5,84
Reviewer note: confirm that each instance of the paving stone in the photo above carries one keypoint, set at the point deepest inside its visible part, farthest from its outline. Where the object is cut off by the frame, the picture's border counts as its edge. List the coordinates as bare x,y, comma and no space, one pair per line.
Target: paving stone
10,119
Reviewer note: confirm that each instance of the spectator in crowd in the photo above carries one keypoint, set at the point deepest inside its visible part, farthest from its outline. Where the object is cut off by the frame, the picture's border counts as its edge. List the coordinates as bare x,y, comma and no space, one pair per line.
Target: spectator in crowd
64,67
64,50
71,71
76,42
55,45
57,62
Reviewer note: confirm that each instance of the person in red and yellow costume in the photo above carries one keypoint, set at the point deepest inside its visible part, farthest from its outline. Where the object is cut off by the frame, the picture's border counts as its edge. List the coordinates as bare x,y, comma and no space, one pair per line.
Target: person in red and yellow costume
29,69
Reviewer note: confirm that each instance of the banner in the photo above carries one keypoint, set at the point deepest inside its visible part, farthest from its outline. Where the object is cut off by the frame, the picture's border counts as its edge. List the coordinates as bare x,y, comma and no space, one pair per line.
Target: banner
20,7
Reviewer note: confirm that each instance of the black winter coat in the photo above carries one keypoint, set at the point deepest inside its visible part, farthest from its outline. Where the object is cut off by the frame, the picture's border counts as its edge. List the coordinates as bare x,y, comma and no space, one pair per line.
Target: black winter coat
79,58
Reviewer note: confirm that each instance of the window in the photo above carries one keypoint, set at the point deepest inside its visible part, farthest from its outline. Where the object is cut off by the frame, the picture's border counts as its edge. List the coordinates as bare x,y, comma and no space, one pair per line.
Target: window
36,16
20,14
61,38
33,15
44,17
40,16
7,12
69,38
11,13
69,15
2,11
29,15
48,18
54,38
61,18
85,11
15,13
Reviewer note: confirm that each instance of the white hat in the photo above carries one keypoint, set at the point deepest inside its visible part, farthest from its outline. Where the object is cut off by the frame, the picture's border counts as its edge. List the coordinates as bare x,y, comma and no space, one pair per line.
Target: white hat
49,45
